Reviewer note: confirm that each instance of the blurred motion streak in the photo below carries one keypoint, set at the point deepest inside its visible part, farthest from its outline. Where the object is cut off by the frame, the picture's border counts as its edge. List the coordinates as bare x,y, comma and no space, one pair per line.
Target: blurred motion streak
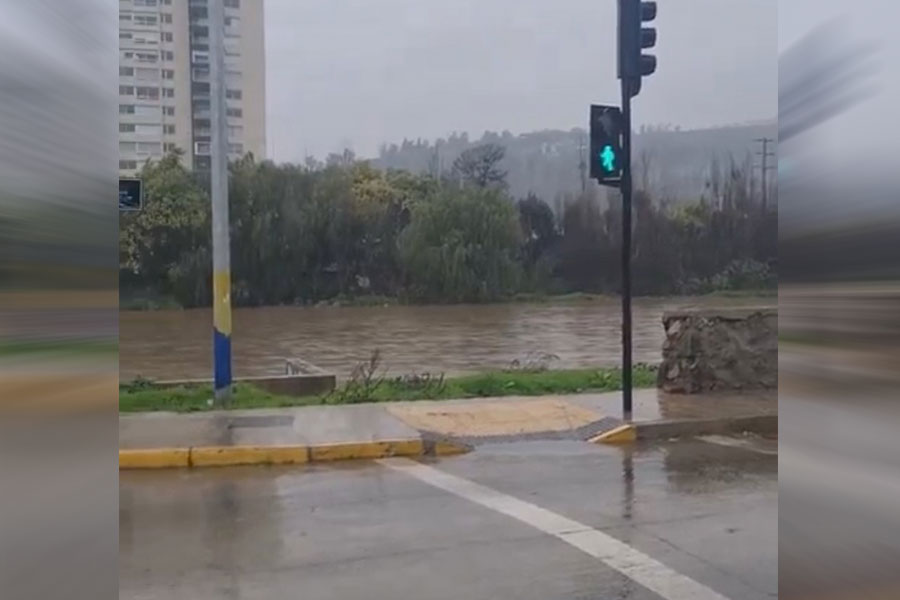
839,296
58,299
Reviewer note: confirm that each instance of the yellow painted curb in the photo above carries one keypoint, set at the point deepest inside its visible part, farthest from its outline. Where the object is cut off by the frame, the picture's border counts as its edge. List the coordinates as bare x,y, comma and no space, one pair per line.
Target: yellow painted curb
156,458
375,449
447,449
223,456
623,434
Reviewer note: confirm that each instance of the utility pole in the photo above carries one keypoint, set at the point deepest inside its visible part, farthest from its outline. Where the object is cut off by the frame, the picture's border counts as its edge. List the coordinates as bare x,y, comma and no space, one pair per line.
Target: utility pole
765,154
219,194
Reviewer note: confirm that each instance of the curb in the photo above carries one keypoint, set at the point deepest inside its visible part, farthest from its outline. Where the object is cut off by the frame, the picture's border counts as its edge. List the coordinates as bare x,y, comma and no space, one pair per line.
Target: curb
227,456
660,430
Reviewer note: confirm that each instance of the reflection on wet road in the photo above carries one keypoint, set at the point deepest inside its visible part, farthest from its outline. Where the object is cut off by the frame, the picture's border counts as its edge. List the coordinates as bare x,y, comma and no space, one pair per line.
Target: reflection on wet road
700,512
176,344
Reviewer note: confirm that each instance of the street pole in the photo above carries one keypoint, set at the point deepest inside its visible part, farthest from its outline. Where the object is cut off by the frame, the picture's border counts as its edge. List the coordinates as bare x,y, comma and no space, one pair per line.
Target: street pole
626,249
219,193
765,168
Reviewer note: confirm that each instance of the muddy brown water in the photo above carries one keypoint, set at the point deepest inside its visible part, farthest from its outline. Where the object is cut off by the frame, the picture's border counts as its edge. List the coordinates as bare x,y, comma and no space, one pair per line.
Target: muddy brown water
174,344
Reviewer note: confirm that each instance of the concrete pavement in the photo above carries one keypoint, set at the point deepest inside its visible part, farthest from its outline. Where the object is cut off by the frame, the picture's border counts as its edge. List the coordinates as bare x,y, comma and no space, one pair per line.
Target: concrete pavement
451,425
693,519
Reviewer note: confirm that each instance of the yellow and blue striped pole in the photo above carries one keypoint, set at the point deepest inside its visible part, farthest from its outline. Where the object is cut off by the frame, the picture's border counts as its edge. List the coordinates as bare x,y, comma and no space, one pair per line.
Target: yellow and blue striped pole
219,194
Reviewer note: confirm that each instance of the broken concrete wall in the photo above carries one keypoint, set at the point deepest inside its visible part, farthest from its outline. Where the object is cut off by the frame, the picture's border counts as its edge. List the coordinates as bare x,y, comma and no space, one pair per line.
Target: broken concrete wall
730,349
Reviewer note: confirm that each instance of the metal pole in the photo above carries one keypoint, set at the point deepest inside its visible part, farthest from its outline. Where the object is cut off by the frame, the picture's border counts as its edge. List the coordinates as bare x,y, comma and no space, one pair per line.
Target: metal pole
219,193
626,249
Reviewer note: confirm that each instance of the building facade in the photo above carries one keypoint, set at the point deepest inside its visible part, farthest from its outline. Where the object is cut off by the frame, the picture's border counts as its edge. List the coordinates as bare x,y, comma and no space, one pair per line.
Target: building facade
164,69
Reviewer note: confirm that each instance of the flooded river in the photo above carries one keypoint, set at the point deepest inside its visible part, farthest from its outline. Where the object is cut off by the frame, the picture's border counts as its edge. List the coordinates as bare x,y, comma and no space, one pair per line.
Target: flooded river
451,339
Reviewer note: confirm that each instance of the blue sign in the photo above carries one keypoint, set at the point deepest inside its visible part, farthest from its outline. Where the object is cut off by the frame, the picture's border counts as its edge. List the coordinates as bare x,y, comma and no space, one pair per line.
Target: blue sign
131,196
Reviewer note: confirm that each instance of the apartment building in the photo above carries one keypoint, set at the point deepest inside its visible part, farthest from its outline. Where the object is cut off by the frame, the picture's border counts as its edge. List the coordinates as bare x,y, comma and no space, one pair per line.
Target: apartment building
164,69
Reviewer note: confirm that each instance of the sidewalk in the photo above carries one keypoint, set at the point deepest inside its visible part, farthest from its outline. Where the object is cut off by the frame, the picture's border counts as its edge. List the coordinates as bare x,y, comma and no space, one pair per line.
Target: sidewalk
313,433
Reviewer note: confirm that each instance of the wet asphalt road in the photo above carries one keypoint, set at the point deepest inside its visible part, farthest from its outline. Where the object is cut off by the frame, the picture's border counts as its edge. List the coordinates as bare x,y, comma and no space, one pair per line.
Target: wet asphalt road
706,512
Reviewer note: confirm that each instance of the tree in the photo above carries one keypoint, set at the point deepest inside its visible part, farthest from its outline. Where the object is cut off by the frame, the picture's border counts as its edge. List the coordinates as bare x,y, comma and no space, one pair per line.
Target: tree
480,166
461,246
166,245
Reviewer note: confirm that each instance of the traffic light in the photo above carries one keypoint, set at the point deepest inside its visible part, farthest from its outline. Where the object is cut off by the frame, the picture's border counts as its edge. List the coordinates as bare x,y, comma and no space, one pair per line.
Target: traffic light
633,39
606,144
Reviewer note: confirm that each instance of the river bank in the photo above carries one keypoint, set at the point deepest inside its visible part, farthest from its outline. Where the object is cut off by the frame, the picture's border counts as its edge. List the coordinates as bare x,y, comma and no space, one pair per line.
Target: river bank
142,396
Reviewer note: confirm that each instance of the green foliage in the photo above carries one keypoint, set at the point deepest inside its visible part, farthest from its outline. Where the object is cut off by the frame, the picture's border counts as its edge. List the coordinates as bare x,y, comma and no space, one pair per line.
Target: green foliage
134,398
461,246
338,233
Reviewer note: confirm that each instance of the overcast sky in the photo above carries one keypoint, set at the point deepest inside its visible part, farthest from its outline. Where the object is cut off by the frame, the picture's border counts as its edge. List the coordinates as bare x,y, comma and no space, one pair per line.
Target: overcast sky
361,72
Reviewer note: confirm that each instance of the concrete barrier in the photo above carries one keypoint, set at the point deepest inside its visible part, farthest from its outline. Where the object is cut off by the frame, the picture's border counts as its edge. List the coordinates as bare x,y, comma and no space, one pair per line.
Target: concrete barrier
730,349
301,379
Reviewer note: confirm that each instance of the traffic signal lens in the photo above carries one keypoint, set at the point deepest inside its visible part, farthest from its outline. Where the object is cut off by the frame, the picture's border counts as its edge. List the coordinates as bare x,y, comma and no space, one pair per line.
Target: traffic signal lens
608,159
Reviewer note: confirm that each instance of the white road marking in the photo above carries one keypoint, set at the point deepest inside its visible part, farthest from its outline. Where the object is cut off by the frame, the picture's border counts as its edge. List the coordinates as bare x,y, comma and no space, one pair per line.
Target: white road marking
722,440
635,565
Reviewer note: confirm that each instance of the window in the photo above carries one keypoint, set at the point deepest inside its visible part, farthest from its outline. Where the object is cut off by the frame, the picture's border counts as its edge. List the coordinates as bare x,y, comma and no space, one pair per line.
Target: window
232,21
169,111
148,148
200,57
232,3
201,148
124,16
127,165
146,57
146,20
126,109
236,148
125,35
169,92
128,55
201,104
234,112
167,2
145,111
145,2
169,129
126,90
199,88
200,30
126,71
147,129
233,94
126,127
147,74
166,36
200,47
168,74
126,146
168,55
144,39
147,93
198,12
168,147
235,131
166,17
199,73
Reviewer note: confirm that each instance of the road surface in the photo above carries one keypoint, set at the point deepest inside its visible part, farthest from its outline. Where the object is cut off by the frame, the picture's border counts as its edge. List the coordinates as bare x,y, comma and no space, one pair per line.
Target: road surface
692,519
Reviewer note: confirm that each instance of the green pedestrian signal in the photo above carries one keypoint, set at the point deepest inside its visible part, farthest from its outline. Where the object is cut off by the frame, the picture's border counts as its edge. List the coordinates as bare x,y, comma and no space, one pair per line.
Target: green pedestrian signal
608,159
606,145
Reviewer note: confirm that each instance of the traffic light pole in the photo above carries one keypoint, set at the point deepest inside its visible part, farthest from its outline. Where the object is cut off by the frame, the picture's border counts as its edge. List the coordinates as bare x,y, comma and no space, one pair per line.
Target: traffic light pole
626,249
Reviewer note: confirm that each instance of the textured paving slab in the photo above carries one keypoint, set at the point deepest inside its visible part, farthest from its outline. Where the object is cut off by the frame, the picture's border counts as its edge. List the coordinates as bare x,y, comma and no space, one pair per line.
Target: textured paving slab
495,418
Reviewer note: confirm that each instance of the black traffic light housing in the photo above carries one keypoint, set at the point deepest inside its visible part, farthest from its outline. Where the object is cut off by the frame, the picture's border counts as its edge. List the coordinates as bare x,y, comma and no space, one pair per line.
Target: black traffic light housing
606,145
633,39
